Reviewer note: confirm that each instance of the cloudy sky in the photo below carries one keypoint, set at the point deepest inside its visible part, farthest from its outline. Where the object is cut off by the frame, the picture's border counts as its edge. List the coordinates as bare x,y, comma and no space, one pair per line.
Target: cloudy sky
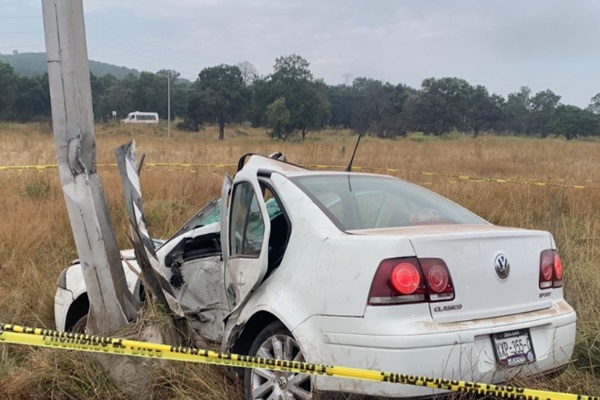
543,44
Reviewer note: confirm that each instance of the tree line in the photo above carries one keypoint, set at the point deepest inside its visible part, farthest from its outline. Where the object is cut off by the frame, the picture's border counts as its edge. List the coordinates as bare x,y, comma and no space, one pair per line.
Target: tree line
290,101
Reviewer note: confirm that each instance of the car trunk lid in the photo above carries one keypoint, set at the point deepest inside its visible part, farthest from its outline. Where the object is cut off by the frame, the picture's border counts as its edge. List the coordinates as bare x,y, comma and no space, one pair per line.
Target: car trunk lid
472,253
495,272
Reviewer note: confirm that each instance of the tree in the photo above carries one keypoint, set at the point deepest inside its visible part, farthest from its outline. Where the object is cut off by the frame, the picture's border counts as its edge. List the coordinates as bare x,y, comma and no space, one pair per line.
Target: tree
483,110
262,93
292,68
120,97
249,72
543,107
305,99
440,106
517,111
220,95
375,110
150,93
278,119
595,104
572,122
8,89
170,77
342,100
310,107
33,98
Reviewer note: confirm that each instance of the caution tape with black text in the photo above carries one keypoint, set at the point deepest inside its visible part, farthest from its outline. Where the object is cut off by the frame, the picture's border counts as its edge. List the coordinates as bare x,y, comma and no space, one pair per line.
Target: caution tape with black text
82,342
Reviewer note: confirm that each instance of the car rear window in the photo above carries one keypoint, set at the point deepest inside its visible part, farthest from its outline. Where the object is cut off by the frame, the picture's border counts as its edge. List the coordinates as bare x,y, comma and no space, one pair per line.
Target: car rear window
370,202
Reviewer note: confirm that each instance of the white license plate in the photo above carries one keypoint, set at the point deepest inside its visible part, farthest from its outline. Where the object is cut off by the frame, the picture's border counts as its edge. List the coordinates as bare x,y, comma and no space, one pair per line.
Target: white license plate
513,348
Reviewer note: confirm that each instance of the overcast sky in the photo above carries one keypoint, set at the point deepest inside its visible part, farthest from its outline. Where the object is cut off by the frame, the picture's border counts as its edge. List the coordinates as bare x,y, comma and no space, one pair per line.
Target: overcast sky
543,44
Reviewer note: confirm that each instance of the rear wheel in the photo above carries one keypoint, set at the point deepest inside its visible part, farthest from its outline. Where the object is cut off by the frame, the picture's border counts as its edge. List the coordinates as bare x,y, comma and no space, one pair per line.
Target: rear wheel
275,341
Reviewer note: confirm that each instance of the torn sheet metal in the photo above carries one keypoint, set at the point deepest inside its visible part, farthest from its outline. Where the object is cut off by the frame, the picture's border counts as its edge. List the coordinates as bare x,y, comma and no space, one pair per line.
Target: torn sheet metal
143,245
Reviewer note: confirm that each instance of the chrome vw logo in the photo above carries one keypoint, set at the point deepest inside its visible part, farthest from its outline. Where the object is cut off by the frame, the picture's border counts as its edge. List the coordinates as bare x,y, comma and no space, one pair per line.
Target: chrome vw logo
502,266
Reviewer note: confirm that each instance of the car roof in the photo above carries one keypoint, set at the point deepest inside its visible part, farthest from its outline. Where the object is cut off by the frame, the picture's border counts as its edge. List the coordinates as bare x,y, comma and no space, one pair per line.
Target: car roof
267,165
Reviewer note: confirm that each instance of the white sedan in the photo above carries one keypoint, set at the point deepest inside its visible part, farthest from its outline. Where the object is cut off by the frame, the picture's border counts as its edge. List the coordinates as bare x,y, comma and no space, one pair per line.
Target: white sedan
358,270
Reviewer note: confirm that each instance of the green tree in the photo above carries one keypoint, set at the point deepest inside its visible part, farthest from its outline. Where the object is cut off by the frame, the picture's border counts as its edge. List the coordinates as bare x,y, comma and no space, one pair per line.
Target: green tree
572,122
483,110
100,89
262,93
595,104
342,99
8,90
179,92
119,97
219,95
305,98
33,98
291,69
150,93
440,106
374,111
543,107
278,119
517,111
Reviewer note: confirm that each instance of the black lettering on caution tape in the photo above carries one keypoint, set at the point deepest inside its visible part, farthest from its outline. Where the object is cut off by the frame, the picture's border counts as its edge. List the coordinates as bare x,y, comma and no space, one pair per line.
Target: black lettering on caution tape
78,341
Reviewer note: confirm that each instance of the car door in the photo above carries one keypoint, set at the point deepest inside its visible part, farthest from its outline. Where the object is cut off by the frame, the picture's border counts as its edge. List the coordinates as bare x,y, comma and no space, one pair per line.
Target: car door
245,231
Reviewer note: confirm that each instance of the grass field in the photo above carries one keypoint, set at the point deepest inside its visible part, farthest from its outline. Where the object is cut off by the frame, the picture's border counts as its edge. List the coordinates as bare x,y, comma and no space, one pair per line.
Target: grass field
36,241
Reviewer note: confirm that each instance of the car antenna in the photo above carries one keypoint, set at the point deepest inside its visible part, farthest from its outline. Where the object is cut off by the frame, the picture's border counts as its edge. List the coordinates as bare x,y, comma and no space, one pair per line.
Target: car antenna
349,167
139,170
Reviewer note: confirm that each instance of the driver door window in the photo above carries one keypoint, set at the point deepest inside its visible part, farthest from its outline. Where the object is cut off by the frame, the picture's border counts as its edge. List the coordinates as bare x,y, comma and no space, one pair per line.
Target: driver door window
247,225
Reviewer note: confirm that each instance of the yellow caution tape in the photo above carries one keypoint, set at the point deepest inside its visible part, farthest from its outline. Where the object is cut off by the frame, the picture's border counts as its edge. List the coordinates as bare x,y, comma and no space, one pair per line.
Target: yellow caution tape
82,342
551,183
23,167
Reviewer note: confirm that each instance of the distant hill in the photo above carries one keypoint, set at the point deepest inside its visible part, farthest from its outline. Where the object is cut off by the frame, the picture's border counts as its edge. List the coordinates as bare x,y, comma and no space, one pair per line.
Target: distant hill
33,64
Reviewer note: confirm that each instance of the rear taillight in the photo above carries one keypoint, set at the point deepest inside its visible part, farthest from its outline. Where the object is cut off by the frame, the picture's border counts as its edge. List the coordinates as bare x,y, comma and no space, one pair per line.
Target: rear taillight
405,278
551,270
397,281
411,280
439,283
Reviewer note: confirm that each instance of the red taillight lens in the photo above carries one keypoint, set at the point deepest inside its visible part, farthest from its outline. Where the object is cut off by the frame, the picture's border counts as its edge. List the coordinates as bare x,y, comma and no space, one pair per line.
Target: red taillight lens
437,279
397,281
405,278
439,283
551,270
558,270
411,280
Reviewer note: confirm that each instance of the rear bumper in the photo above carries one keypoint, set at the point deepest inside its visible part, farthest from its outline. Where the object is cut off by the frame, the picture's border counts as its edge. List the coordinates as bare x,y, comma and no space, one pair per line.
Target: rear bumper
460,351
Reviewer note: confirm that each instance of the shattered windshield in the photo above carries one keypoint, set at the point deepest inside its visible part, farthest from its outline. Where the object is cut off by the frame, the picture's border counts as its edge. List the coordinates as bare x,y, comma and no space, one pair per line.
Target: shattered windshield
369,202
211,213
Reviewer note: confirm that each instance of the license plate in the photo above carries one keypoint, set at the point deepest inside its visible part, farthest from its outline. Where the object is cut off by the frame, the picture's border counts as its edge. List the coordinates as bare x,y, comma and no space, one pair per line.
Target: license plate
513,348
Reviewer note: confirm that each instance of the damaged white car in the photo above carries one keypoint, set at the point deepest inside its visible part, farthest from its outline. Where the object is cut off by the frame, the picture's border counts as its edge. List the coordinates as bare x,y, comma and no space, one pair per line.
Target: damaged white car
358,270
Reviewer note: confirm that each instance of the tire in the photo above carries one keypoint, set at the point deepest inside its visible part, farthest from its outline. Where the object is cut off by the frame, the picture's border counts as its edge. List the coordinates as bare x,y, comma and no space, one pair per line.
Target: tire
275,341
80,325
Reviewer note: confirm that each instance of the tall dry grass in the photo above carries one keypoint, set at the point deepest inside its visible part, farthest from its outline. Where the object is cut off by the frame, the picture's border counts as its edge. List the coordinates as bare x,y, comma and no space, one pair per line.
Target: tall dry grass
36,240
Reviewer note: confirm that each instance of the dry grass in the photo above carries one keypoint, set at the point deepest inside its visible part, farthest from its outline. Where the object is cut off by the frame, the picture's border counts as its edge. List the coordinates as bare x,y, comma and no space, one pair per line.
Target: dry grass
36,240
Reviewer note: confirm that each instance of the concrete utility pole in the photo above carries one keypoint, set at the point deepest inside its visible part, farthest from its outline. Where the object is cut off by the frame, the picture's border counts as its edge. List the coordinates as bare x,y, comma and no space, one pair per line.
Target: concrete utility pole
111,303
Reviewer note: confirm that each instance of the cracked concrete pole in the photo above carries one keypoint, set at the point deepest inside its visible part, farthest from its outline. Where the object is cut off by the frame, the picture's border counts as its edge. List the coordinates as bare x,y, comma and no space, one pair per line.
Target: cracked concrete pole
111,303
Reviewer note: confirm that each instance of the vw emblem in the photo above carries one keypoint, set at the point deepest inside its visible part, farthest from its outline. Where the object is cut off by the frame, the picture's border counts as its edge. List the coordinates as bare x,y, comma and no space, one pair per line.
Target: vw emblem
502,266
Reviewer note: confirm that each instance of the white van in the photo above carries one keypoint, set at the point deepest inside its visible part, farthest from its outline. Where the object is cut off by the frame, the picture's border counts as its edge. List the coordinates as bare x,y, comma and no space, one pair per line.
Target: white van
139,117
